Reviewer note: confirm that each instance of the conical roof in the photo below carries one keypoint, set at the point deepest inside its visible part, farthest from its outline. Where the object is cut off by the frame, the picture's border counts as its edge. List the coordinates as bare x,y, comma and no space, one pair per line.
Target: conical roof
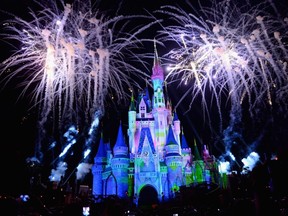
196,152
175,118
184,142
120,141
158,72
120,149
101,152
170,138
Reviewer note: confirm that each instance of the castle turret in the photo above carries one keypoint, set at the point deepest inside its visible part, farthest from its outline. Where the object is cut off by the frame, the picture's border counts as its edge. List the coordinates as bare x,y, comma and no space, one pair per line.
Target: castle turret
186,151
186,161
206,155
211,166
198,165
100,162
120,163
132,125
160,112
177,128
158,79
173,161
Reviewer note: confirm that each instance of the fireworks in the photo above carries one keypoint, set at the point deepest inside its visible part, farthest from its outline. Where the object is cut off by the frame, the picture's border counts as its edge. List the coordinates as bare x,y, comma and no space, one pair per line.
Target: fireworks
229,55
228,50
75,56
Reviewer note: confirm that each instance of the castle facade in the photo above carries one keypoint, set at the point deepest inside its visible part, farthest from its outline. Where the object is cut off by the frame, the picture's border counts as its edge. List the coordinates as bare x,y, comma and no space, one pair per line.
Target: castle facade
157,160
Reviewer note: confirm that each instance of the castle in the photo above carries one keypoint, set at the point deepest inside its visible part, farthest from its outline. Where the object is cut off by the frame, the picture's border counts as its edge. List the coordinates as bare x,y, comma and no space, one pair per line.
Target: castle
157,160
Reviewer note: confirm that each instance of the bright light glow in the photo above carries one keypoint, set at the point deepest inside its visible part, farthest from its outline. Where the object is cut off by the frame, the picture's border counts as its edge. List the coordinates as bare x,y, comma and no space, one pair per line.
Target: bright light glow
250,162
59,172
229,54
75,56
233,52
224,167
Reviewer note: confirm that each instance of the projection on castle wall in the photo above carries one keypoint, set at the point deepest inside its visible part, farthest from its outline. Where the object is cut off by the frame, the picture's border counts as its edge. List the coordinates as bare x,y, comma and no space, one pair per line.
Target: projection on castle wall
157,157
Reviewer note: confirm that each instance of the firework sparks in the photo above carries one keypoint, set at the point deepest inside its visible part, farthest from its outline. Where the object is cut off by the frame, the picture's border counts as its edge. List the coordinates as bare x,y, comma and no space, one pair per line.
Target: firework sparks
229,51
233,53
75,55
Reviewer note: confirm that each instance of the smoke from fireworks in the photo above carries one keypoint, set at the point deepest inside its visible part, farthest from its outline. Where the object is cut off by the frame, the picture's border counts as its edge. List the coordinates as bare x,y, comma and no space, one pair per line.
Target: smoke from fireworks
70,139
229,53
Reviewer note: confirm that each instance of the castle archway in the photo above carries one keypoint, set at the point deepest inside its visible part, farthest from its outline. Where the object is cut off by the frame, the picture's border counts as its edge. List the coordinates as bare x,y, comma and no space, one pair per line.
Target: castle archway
148,196
111,186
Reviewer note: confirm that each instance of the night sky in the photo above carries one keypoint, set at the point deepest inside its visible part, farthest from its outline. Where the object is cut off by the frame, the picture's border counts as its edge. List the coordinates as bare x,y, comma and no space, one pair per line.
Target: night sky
19,118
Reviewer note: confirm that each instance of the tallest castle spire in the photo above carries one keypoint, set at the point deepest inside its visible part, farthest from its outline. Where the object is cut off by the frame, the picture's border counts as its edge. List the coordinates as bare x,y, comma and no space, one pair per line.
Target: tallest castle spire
157,70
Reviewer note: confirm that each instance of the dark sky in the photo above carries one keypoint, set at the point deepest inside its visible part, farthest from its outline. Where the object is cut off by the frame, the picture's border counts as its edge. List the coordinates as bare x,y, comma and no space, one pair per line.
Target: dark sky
19,122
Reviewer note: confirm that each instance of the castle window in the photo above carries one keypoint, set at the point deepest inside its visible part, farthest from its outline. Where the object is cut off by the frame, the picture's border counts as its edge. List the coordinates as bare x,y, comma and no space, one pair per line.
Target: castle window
142,110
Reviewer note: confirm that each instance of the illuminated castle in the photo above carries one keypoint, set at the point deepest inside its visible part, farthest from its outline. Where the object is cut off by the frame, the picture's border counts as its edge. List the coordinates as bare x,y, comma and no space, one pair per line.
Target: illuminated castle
157,160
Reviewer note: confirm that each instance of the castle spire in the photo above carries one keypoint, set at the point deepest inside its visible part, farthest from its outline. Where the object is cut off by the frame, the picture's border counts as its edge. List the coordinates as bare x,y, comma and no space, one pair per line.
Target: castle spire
184,142
156,56
175,117
171,138
196,152
157,71
157,80
101,153
206,154
172,147
132,106
120,142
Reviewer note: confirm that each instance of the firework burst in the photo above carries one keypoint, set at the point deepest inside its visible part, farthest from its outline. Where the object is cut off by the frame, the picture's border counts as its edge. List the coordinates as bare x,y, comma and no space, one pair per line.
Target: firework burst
75,56
229,51
232,53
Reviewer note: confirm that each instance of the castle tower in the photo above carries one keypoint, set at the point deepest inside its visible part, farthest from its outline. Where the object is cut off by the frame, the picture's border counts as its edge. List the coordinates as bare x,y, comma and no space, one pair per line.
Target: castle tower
211,166
100,162
168,106
158,160
120,164
198,165
208,164
109,152
132,125
173,161
186,161
177,128
160,112
206,155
